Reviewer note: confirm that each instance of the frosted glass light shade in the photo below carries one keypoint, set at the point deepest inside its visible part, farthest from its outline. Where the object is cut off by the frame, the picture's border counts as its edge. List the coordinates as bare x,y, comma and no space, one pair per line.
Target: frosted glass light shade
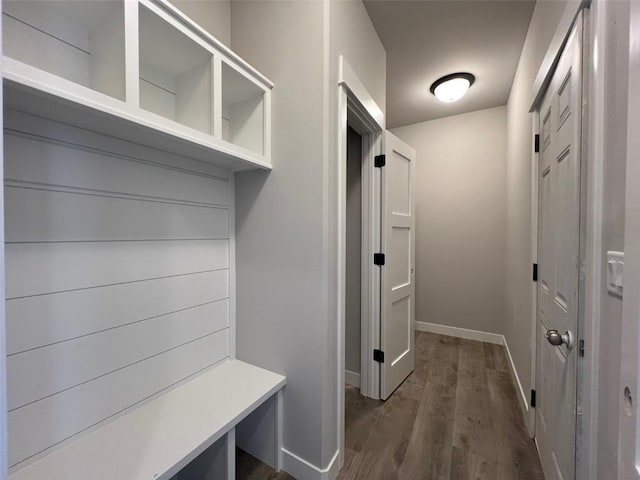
452,87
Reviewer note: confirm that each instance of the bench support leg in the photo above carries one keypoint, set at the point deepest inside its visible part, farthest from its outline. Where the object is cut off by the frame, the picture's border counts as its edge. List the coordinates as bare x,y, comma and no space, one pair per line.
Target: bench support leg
279,429
230,443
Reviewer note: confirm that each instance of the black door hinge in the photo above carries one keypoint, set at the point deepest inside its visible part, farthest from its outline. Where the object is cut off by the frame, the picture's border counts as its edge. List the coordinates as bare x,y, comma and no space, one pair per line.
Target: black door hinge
378,259
533,398
535,272
581,348
536,143
379,161
378,356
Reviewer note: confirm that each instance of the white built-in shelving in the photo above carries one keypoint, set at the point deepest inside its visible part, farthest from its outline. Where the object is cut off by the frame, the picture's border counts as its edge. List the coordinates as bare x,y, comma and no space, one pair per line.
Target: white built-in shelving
140,71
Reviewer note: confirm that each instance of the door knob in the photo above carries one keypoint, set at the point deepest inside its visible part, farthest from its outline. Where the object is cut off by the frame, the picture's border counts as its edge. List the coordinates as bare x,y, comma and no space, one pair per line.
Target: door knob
556,339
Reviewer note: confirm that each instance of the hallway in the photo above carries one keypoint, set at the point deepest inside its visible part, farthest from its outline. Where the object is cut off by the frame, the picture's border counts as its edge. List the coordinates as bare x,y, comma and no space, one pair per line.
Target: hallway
456,417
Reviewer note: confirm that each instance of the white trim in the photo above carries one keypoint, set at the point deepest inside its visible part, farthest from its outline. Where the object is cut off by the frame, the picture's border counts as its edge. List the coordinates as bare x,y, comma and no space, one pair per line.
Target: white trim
303,470
232,266
230,453
370,274
487,337
353,98
595,74
349,79
352,378
592,168
279,429
530,416
132,53
342,266
556,46
527,411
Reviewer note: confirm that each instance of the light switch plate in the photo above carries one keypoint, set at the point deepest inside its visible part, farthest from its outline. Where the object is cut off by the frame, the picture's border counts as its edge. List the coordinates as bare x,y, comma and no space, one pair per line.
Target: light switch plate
615,272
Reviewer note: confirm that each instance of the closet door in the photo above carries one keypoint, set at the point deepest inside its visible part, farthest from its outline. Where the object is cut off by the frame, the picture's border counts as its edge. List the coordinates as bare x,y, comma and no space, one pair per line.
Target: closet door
397,285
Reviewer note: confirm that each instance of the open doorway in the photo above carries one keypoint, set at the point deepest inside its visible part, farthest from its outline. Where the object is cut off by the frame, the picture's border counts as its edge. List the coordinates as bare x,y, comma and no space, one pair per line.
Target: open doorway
353,258
375,237
360,124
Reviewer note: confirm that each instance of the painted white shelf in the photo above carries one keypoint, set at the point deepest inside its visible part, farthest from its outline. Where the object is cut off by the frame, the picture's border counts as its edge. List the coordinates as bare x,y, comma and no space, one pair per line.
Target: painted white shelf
139,71
156,440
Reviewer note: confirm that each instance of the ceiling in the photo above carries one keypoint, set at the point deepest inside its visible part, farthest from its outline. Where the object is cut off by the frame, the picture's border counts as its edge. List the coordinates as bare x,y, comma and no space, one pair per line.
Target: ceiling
426,40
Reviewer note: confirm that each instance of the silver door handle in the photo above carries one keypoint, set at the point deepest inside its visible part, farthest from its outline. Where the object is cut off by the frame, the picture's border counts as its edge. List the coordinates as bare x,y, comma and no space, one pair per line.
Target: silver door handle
556,339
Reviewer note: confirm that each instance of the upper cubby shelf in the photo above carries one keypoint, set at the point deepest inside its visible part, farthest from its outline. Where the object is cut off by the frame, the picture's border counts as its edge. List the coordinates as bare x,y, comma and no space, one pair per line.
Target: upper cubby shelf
139,70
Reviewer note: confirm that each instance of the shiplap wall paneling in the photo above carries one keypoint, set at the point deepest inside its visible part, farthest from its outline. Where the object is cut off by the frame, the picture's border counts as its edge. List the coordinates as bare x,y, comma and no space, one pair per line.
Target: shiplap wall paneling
72,158
79,41
117,270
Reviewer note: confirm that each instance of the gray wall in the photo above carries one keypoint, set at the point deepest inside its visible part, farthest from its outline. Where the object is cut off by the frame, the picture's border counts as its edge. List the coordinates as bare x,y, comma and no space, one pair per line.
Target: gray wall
286,220
353,281
517,329
3,372
212,15
615,138
460,219
282,319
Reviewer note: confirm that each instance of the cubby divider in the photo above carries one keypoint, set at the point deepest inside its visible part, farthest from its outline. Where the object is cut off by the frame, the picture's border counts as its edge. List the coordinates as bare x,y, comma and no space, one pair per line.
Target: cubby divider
141,71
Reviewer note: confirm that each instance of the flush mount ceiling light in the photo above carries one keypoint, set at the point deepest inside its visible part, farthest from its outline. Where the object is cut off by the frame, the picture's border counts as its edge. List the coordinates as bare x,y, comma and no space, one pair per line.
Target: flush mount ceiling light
452,87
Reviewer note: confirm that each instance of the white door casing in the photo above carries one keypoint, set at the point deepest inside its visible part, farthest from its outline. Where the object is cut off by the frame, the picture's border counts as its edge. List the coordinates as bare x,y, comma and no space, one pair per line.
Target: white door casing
397,280
559,260
629,391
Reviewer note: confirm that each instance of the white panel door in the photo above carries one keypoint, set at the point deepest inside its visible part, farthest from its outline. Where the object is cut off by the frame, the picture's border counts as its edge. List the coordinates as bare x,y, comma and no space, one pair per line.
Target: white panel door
558,263
629,422
397,285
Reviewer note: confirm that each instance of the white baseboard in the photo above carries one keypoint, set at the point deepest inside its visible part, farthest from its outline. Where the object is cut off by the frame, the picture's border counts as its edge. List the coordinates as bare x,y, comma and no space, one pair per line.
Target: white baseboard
300,469
460,332
524,399
352,378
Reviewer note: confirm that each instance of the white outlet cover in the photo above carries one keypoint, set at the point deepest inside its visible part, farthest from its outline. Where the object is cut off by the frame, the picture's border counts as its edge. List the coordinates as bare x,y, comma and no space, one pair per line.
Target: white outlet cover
615,272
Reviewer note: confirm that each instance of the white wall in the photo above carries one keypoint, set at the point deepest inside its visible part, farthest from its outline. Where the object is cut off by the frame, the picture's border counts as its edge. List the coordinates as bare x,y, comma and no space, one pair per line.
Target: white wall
286,220
517,330
117,267
212,15
460,219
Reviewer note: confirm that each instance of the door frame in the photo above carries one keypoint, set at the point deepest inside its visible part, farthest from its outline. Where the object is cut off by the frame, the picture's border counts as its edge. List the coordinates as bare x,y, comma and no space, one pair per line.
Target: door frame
357,108
591,208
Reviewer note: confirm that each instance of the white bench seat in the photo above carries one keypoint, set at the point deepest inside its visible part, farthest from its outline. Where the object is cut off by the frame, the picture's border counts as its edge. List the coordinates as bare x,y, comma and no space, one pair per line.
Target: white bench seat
157,439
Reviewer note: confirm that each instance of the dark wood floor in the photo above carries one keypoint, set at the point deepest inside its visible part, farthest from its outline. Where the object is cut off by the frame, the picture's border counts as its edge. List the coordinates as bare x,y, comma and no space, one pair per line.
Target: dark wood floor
250,468
455,418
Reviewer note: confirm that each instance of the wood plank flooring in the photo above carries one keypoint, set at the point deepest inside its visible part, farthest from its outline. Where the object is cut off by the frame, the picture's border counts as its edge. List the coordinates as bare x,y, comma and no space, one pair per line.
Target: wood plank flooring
455,418
250,468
